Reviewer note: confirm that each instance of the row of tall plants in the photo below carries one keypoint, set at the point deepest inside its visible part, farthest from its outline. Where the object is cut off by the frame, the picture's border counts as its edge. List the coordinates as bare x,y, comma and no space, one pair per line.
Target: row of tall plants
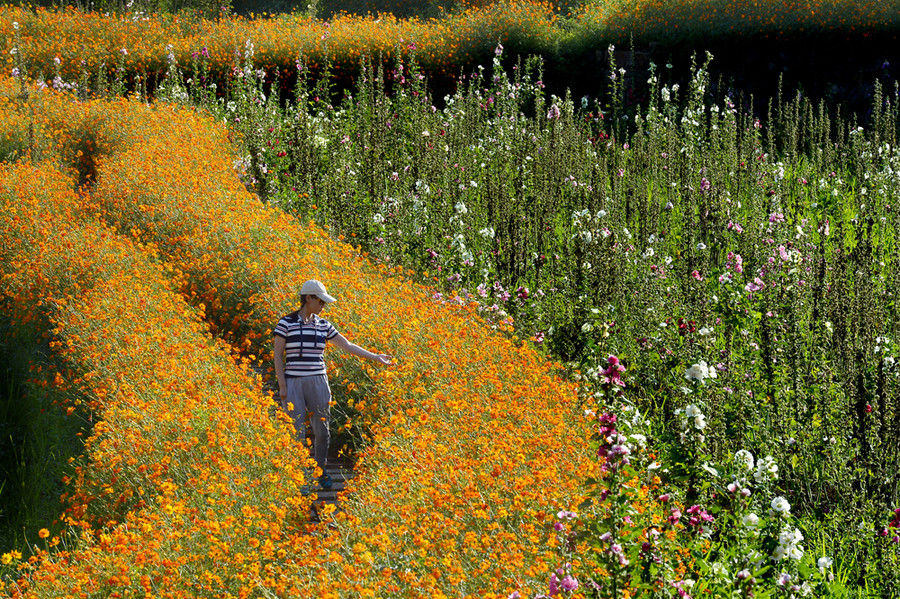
517,454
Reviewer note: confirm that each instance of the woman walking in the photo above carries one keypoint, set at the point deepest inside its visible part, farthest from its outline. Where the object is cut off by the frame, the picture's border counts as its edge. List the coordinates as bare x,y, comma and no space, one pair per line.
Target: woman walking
300,339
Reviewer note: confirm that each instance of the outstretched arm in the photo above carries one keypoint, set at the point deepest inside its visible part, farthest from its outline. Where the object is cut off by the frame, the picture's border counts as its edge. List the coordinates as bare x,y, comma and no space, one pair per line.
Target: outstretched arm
352,348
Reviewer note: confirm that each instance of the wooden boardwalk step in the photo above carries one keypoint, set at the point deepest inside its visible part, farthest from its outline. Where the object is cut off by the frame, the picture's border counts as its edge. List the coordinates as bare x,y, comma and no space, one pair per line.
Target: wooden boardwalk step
340,473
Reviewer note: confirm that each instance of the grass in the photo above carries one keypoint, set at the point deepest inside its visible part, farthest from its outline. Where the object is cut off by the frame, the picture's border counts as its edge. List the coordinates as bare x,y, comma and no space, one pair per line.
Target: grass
38,439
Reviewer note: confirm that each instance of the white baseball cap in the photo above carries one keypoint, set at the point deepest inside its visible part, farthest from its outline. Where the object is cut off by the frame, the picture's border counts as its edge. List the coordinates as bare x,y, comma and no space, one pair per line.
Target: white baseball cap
316,288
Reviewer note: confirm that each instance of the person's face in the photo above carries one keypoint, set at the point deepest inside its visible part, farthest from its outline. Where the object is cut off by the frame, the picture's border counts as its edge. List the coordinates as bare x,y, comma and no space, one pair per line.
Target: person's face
315,304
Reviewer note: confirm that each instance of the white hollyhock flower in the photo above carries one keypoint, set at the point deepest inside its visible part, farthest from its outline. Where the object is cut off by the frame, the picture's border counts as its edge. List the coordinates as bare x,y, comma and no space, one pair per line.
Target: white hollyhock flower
744,460
780,505
766,470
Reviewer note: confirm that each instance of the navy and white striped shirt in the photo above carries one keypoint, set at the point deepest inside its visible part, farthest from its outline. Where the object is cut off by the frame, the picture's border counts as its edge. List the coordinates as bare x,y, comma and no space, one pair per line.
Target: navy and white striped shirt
304,346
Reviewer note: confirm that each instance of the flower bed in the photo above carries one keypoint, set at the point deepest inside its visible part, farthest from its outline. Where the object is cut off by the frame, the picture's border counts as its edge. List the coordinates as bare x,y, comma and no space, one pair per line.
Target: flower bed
186,483
431,512
146,44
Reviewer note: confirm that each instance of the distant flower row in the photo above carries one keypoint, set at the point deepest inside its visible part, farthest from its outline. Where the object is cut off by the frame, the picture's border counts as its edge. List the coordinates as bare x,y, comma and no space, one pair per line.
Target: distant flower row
72,41
147,44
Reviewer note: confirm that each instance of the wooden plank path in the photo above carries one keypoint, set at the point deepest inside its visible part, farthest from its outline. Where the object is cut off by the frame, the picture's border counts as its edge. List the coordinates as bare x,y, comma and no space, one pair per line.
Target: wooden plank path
340,473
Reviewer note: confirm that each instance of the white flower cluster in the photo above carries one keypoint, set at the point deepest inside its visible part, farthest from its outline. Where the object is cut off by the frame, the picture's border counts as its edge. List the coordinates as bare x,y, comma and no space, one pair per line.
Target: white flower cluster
788,545
588,227
692,412
780,507
700,372
766,470
692,418
884,347
744,460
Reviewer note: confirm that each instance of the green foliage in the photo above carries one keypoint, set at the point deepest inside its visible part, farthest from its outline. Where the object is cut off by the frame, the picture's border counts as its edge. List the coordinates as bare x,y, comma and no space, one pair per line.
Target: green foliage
37,439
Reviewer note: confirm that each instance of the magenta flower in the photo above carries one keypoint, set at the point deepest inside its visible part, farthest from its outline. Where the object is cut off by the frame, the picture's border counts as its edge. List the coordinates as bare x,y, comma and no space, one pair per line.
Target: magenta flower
612,374
569,583
553,586
895,520
698,515
755,285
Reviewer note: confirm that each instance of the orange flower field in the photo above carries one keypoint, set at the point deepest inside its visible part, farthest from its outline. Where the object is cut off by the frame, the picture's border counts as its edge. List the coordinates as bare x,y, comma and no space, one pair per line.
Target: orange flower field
188,486
85,43
94,38
172,484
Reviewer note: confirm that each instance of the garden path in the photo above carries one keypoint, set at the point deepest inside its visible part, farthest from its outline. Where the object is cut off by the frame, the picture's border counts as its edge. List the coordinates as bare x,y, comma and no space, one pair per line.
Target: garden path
340,472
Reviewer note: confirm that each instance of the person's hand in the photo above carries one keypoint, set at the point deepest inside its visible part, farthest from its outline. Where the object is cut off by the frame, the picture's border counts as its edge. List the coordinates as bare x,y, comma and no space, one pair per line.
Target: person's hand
385,359
282,393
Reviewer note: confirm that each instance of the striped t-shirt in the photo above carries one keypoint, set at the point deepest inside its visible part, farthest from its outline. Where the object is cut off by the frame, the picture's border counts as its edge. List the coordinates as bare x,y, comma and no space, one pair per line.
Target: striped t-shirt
304,346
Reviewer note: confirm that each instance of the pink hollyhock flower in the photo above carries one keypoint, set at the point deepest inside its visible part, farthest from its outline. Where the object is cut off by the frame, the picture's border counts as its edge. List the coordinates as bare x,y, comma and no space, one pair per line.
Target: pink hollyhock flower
569,583
782,251
553,585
